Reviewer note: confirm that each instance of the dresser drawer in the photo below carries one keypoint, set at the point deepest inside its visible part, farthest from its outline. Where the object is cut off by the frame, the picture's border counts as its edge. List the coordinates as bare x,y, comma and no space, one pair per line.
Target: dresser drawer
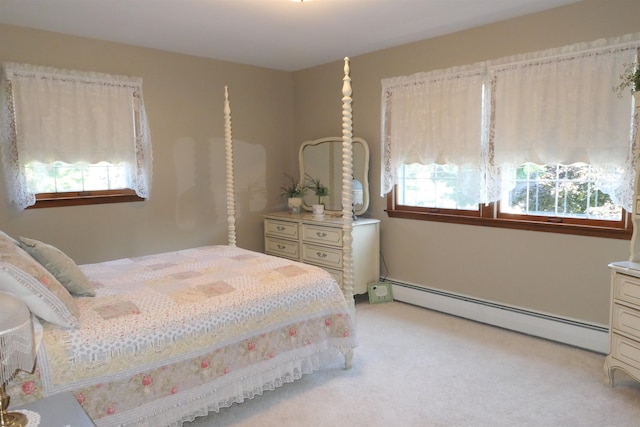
626,320
281,228
325,256
322,235
283,248
627,289
624,349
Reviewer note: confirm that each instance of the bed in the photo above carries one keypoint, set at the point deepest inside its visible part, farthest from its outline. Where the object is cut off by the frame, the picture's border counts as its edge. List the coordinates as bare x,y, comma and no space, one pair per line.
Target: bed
160,339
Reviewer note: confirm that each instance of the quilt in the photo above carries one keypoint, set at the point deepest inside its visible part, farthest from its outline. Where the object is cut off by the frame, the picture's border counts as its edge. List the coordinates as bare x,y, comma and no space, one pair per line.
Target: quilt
172,336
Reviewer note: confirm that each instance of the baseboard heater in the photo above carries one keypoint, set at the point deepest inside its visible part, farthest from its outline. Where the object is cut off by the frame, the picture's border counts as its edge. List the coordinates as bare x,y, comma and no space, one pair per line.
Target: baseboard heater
576,333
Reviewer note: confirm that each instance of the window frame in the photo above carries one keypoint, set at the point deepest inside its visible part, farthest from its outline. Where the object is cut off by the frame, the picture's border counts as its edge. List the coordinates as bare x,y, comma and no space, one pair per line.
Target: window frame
489,216
80,198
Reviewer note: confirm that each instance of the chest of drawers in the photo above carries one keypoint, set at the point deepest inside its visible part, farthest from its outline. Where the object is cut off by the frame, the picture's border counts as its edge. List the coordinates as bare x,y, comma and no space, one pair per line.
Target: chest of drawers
624,333
320,242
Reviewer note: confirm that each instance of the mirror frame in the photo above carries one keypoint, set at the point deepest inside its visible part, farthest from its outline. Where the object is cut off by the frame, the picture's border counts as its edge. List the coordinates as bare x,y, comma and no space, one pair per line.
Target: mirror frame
362,176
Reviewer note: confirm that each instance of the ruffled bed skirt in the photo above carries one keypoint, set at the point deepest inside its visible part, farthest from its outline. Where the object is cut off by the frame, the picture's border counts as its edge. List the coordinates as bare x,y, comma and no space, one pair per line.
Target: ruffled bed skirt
236,389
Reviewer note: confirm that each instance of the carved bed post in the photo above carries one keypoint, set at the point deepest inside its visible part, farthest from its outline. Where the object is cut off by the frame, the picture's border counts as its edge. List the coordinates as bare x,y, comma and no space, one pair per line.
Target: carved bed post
347,196
231,199
347,183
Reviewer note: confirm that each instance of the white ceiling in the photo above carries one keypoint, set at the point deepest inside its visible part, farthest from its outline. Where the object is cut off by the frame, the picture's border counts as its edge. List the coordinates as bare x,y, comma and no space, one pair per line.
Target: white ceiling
278,34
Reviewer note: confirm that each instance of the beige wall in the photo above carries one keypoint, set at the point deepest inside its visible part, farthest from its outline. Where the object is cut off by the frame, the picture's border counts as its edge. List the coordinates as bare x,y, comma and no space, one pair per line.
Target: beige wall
184,98
558,274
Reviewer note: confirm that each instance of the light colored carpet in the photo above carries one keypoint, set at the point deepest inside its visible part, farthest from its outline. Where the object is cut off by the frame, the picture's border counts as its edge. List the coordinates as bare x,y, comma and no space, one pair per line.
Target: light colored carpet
416,367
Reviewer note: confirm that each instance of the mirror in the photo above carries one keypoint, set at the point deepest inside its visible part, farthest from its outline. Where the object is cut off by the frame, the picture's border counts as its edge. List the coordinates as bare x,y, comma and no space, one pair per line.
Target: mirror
322,159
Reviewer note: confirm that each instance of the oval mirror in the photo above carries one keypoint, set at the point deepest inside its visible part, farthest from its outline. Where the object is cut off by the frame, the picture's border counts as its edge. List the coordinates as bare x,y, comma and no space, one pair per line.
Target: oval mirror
321,159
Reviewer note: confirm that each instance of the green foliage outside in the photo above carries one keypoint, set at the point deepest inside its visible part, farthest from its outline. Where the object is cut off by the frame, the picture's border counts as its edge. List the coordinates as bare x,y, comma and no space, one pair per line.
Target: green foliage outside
559,190
63,177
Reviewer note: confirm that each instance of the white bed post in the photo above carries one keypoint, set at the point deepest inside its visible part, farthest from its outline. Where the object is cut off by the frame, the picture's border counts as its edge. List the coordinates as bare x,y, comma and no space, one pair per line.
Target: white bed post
231,198
347,196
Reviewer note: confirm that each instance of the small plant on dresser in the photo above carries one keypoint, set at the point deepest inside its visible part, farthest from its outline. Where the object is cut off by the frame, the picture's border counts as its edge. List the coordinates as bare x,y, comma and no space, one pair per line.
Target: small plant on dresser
294,193
318,188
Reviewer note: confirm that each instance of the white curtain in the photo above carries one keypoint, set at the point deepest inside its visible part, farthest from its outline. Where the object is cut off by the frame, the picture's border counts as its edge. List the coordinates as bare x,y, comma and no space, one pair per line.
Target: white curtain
558,107
432,117
71,116
553,106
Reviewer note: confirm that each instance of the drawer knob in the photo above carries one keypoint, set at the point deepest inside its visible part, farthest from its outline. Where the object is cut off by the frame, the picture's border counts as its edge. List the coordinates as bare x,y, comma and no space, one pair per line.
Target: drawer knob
321,234
280,228
282,247
321,254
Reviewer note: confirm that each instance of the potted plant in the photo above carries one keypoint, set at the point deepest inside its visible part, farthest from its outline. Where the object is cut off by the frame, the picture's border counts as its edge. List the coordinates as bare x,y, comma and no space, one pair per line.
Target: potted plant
319,190
294,193
630,79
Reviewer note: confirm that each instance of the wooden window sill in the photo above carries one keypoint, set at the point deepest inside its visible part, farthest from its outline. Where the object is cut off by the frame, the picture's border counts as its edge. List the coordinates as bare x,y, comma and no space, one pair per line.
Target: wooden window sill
79,198
551,227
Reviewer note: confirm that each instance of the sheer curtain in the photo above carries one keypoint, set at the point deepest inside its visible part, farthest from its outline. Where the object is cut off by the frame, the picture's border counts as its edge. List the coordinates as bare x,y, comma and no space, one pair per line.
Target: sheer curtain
552,106
71,116
432,117
558,107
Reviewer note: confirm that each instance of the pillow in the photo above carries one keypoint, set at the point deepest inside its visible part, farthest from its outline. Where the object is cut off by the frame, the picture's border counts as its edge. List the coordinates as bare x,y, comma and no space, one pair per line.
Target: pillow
60,265
5,237
22,276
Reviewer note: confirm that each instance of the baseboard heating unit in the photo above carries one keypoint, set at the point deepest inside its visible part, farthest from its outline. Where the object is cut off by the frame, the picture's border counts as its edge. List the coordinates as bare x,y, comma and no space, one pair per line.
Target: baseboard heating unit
576,333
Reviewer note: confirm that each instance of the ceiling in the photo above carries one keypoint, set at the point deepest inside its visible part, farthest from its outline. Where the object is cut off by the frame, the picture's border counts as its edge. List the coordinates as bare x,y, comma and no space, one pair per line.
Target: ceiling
278,34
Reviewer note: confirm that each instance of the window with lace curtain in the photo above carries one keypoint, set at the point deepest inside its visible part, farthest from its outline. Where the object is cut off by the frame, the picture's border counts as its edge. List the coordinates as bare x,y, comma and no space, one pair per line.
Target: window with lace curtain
73,137
537,141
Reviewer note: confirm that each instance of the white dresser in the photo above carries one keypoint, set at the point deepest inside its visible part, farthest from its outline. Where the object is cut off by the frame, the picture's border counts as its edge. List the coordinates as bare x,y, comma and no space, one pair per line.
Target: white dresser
305,238
624,335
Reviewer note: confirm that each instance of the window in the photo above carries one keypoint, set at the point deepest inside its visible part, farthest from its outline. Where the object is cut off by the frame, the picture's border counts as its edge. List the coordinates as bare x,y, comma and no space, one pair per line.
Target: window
433,186
73,137
559,191
60,177
537,141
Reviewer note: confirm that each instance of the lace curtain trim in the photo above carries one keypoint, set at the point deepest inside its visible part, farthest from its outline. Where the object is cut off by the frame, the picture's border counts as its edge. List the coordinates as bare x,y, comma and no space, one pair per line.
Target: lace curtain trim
13,69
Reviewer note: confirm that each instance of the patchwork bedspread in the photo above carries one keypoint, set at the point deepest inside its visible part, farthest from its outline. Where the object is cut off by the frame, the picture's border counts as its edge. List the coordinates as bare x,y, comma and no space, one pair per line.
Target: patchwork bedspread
174,335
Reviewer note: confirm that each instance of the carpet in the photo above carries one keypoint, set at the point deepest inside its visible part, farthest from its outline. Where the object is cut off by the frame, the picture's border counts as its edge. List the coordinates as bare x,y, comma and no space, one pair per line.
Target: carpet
417,367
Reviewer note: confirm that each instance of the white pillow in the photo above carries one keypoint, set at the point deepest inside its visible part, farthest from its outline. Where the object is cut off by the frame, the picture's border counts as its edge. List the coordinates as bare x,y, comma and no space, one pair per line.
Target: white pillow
60,265
22,276
5,237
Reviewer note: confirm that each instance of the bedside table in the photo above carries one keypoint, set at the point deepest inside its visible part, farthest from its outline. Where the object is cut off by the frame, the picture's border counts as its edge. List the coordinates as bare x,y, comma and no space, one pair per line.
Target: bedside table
59,410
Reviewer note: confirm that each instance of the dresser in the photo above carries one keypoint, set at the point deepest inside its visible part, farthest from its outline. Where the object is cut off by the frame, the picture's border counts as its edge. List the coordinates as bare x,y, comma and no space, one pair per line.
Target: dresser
624,334
319,241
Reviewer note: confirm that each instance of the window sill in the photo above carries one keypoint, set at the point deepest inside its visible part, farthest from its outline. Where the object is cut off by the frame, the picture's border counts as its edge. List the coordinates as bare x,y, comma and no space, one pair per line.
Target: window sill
550,227
79,198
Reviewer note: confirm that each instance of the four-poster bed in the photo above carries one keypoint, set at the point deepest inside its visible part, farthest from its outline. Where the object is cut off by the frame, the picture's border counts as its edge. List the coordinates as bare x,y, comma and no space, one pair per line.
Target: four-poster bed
169,337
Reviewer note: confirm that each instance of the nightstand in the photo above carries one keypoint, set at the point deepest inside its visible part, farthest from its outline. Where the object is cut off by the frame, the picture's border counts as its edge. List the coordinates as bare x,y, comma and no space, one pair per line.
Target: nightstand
59,410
